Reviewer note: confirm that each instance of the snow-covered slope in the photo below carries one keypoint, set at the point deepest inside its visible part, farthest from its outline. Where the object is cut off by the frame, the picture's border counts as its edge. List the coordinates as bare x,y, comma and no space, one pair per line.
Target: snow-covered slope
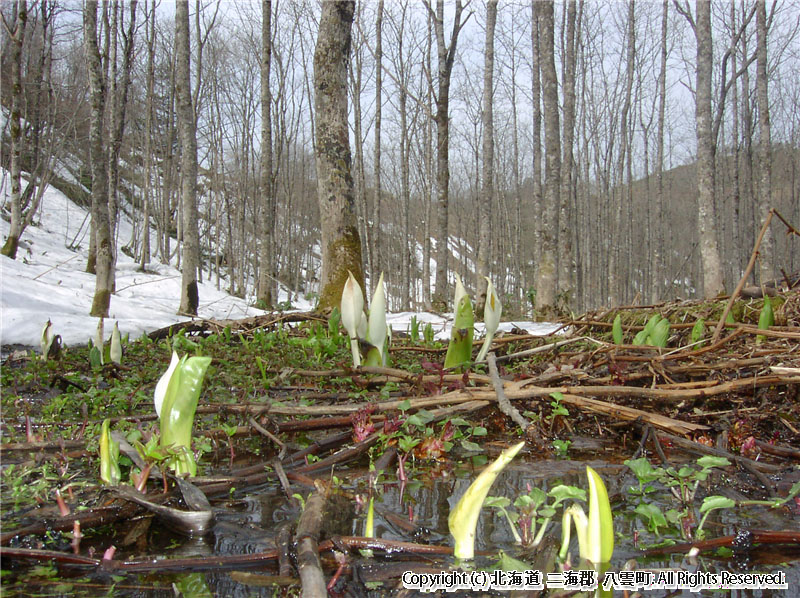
48,281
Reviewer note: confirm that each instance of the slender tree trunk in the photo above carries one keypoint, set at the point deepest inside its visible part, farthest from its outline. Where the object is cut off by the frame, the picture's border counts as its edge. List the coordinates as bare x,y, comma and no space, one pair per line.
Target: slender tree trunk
709,249
150,33
100,220
659,266
268,204
536,94
186,130
119,101
446,60
566,261
615,270
736,199
546,278
375,242
429,174
341,246
766,253
487,167
17,38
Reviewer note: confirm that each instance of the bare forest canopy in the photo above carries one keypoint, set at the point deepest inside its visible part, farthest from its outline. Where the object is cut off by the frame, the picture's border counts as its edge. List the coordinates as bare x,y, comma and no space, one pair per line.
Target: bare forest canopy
648,102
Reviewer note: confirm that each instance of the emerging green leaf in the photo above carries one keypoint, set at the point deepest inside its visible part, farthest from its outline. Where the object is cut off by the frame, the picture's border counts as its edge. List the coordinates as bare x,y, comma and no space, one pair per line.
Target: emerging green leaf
660,333
765,319
616,330
463,519
109,457
459,351
178,409
698,332
601,522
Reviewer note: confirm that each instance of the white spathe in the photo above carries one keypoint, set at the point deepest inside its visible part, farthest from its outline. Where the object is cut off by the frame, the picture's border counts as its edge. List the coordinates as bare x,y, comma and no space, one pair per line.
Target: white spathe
377,332
352,308
163,383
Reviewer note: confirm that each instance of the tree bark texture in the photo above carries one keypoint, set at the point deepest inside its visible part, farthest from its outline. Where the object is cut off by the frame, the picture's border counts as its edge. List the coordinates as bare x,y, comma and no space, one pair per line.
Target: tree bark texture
375,243
709,249
341,245
766,253
446,60
546,276
100,221
566,260
17,38
487,166
266,269
188,140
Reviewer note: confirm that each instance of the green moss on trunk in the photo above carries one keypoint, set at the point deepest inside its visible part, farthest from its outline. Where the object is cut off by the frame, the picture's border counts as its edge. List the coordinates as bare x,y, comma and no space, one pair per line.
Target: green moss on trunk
10,247
344,254
100,303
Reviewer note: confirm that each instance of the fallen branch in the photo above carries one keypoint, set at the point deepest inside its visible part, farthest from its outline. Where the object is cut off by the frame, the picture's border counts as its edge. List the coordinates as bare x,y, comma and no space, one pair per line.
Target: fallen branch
306,538
502,402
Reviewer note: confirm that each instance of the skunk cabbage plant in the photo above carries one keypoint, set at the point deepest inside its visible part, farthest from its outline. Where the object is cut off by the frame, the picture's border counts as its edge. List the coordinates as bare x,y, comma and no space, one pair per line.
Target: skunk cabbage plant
47,339
116,345
96,352
616,330
595,533
463,519
109,457
377,330
176,397
459,351
766,318
459,293
163,382
352,313
491,318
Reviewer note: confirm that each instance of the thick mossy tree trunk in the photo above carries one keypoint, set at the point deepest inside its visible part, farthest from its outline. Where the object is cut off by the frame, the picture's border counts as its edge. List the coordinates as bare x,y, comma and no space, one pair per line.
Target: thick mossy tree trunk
341,244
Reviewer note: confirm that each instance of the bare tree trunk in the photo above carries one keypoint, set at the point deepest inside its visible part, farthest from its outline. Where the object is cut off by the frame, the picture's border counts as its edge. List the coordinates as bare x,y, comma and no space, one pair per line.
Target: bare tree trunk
429,174
546,277
119,102
374,244
446,60
188,139
536,93
659,265
268,210
356,69
736,164
17,38
566,261
615,270
341,246
766,253
487,192
150,33
709,250
100,221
